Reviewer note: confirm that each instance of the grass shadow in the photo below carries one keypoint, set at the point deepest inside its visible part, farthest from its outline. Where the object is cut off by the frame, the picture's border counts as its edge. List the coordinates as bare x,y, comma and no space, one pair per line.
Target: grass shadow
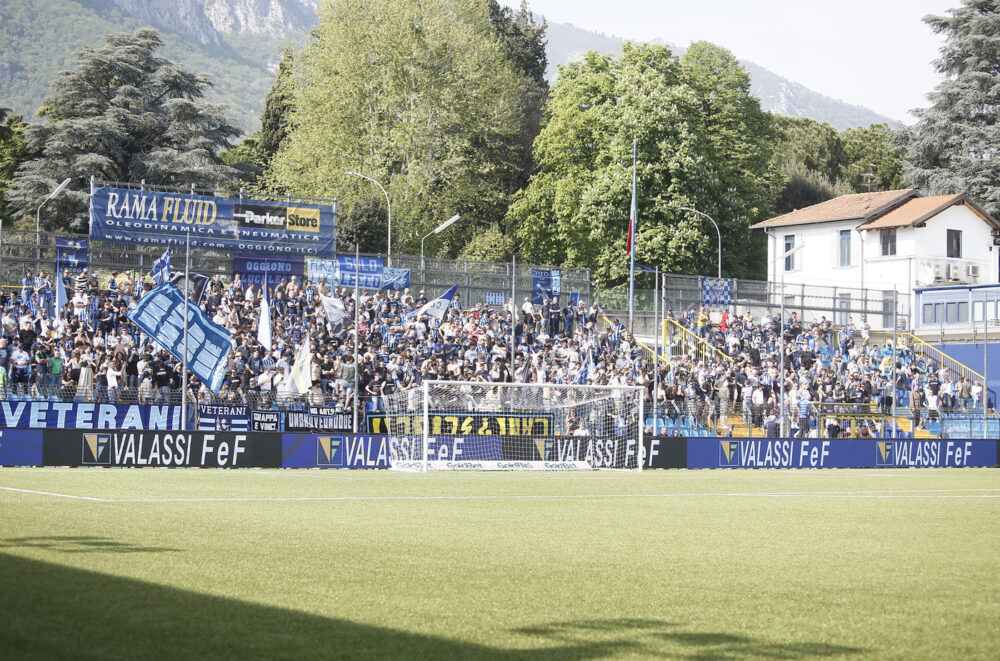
55,612
660,638
80,544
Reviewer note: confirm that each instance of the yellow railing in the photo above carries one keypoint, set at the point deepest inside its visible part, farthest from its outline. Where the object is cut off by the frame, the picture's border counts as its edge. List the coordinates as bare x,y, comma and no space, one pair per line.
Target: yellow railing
925,350
690,343
648,353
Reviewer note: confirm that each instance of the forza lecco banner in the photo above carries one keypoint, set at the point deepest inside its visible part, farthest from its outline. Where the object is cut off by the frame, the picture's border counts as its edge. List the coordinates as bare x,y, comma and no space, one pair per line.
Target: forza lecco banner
161,449
121,215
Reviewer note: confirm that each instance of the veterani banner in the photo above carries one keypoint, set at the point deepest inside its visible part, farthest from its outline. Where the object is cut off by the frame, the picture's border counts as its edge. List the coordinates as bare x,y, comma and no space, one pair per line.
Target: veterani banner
68,415
121,215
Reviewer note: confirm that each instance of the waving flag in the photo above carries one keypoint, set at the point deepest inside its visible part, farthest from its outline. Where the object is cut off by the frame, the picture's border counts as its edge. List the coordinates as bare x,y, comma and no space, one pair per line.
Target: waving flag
302,368
264,323
436,307
335,314
161,268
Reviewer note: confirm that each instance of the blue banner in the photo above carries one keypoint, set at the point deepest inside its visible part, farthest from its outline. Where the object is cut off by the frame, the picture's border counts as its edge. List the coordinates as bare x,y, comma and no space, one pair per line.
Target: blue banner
224,418
370,271
334,451
495,298
69,415
838,453
20,447
71,255
161,314
545,284
254,268
121,215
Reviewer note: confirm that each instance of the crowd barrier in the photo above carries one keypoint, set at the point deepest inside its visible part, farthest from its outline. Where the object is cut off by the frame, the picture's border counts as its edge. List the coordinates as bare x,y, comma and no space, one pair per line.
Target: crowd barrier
229,449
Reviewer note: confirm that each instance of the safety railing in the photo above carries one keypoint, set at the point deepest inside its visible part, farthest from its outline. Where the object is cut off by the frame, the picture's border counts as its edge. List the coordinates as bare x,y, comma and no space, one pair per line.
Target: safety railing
603,323
676,336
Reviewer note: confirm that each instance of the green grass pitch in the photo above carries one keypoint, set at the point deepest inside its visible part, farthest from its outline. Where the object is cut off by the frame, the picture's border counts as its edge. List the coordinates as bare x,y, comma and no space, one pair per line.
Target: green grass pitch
269,564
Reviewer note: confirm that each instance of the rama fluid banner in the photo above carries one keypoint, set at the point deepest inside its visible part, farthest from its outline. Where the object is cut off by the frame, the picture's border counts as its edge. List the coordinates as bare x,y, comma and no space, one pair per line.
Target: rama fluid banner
121,215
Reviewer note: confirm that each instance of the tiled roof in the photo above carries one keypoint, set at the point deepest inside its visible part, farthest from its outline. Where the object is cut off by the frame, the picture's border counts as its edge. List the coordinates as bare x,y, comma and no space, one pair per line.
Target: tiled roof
916,210
859,206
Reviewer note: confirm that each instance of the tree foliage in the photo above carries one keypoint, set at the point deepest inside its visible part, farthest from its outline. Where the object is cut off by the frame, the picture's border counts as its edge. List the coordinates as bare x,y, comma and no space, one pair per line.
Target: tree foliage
953,146
703,142
13,152
122,114
419,95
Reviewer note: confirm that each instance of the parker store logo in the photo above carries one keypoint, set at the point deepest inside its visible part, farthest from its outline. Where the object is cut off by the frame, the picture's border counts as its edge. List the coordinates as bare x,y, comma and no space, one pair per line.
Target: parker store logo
96,449
326,449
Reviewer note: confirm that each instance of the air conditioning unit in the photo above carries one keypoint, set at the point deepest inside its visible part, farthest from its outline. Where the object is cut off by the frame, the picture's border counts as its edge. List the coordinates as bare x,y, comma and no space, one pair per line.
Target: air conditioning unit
939,272
954,273
972,271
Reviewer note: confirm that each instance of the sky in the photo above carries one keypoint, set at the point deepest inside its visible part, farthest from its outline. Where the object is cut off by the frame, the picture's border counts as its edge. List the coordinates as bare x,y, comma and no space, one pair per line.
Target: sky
874,53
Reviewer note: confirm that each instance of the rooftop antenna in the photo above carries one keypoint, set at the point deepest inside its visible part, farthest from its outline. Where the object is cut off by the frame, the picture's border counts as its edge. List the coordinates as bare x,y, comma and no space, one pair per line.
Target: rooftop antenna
869,176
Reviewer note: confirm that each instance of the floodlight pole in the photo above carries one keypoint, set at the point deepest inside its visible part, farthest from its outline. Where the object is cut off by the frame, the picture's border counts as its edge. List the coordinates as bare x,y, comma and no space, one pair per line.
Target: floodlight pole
388,205
717,232
38,222
436,230
781,337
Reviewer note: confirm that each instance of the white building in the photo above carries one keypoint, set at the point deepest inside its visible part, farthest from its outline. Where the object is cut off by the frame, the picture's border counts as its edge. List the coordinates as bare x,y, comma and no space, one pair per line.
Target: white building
867,246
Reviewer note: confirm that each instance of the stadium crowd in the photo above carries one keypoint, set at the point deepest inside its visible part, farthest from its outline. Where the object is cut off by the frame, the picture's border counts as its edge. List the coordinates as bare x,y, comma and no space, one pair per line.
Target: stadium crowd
89,351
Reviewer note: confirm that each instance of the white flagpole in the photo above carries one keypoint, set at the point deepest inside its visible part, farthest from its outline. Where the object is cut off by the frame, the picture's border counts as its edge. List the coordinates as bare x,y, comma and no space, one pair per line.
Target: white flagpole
513,314
357,308
634,228
184,362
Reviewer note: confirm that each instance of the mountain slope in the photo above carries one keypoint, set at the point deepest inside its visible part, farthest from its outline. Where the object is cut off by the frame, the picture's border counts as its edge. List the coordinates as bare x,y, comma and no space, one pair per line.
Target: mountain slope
238,43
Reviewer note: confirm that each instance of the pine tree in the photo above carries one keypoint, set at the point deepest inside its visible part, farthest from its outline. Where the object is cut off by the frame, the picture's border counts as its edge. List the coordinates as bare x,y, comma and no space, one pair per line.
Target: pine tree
122,114
953,146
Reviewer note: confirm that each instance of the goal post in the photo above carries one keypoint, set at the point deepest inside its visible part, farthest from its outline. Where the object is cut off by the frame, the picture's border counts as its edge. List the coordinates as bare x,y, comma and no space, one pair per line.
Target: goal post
463,425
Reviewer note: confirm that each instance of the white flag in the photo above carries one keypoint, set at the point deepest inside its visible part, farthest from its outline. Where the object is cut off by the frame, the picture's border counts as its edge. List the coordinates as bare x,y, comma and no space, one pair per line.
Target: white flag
302,368
335,314
264,323
436,307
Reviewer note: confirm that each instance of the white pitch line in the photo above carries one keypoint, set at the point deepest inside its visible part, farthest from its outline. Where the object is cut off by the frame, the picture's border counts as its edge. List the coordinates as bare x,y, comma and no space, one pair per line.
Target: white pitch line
908,493
56,495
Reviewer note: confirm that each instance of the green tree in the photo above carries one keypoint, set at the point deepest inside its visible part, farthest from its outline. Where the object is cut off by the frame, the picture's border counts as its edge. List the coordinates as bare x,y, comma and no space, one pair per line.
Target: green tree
122,114
13,152
953,146
703,142
873,150
419,95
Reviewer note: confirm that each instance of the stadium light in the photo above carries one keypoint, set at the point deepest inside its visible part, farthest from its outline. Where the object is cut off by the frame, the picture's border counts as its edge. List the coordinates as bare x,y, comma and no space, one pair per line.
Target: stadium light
781,333
38,222
388,205
717,232
440,228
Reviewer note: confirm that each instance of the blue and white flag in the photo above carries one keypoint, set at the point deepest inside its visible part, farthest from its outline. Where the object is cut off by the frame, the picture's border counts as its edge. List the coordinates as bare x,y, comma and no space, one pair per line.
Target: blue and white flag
436,307
223,418
264,323
161,268
71,255
160,313
61,298
160,272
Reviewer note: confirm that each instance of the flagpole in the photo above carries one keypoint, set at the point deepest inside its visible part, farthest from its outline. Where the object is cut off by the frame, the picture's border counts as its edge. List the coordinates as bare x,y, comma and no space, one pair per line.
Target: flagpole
357,307
633,230
184,362
656,346
513,313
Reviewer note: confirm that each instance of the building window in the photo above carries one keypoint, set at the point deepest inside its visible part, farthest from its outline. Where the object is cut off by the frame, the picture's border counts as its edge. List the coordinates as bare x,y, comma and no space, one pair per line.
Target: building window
963,312
955,243
845,247
789,245
928,313
888,240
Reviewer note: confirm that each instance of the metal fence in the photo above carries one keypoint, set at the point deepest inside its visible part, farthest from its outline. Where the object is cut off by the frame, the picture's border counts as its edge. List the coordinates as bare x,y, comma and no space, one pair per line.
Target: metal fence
479,282
683,293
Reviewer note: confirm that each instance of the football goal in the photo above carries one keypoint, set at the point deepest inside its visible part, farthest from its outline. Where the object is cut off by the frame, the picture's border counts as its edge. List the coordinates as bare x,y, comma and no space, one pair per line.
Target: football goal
456,425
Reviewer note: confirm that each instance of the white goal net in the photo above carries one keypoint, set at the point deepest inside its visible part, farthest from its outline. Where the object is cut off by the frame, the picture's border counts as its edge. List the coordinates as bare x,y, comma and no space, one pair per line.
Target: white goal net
451,425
